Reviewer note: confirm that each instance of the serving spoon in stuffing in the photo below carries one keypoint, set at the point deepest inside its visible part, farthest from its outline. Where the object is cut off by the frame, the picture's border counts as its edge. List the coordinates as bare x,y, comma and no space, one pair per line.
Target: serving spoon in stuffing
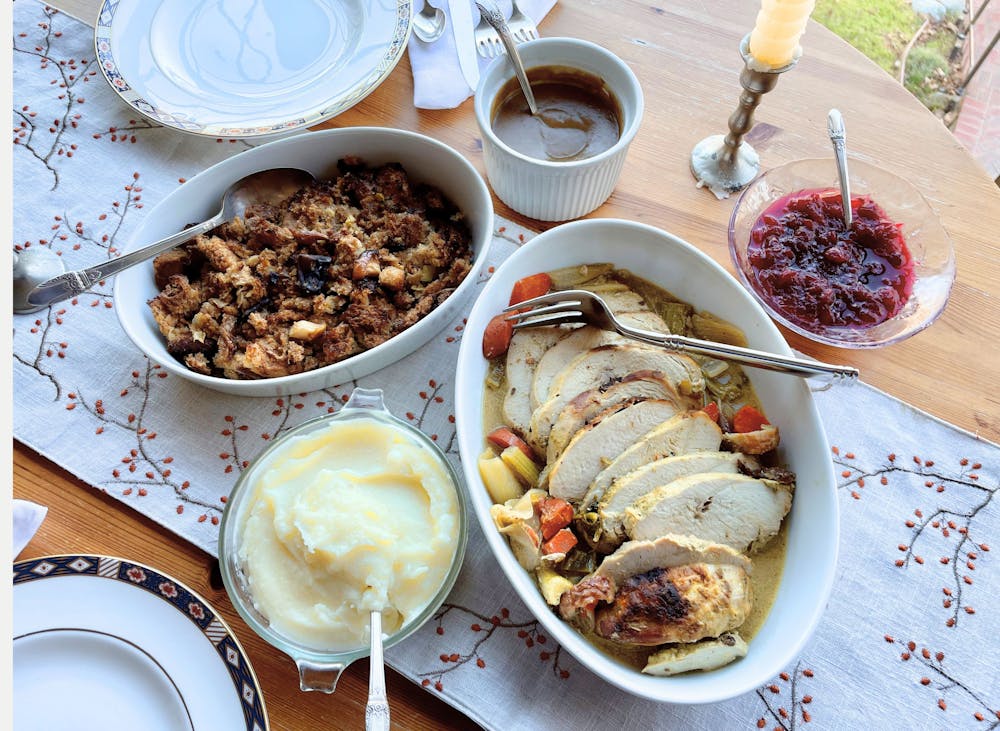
39,276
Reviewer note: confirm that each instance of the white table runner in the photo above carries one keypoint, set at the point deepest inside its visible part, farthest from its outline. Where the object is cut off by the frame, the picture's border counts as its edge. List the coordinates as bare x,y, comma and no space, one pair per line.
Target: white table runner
909,637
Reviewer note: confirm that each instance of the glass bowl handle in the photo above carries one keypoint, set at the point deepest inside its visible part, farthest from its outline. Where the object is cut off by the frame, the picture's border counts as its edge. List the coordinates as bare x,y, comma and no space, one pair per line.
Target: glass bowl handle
366,398
321,676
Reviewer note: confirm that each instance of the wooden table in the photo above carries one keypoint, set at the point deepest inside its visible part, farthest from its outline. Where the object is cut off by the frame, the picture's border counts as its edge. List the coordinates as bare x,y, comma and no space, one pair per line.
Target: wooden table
685,55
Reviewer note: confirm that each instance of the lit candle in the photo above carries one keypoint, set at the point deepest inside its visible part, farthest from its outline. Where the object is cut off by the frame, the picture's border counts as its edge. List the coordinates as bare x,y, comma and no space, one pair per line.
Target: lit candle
780,23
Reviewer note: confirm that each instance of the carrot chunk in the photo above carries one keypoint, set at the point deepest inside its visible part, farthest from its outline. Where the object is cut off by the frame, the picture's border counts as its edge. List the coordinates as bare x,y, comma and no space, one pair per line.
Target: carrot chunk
534,286
497,335
749,419
554,514
712,409
502,437
561,542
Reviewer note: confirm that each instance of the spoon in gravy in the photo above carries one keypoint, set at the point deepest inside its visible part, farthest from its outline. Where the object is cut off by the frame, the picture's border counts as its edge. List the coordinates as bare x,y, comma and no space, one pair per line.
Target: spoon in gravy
494,17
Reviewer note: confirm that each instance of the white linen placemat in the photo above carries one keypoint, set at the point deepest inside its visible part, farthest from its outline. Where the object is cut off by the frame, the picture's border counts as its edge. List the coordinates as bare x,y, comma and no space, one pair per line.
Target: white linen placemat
909,637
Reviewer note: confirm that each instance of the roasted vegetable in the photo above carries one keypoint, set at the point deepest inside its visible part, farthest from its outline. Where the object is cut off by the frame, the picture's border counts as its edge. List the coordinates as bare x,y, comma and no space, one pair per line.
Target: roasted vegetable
707,326
534,286
522,465
496,336
496,373
748,419
503,437
499,479
552,584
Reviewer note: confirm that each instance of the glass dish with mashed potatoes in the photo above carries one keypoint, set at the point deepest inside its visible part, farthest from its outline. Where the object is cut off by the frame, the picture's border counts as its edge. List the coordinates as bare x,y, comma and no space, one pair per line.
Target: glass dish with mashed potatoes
342,516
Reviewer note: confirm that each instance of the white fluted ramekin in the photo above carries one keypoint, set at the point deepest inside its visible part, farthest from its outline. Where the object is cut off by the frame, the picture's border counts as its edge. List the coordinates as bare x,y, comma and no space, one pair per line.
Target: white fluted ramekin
557,191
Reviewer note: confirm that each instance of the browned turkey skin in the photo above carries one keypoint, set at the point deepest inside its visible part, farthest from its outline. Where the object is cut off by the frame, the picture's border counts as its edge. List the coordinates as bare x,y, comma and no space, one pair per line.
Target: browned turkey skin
676,604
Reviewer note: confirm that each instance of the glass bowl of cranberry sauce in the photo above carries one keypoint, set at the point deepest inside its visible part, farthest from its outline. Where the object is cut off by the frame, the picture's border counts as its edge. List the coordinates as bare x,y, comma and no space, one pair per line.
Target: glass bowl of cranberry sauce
883,280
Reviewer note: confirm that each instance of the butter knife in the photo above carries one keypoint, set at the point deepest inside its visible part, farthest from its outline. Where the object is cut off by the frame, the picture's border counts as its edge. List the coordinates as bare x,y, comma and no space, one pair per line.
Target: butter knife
461,26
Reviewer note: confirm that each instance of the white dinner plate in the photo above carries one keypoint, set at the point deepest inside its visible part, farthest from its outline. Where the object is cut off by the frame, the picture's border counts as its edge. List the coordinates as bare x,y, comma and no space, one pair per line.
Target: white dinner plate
246,68
105,643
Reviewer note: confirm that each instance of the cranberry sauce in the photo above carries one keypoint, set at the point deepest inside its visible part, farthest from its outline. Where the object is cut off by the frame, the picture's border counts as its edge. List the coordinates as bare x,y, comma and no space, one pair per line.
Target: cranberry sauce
817,274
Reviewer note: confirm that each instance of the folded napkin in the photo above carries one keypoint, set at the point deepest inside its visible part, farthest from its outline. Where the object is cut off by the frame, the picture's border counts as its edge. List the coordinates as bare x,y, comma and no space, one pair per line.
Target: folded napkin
28,516
438,82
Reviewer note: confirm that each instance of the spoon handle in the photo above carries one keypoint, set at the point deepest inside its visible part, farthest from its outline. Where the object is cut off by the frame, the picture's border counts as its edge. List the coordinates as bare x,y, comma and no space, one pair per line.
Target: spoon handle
377,708
70,284
838,136
495,18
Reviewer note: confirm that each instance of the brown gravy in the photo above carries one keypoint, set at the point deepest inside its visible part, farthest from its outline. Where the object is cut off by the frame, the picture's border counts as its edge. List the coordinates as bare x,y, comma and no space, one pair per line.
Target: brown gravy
578,115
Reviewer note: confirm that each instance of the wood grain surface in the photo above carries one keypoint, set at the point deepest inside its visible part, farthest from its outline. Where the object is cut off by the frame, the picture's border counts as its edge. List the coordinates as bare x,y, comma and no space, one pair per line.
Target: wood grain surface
685,56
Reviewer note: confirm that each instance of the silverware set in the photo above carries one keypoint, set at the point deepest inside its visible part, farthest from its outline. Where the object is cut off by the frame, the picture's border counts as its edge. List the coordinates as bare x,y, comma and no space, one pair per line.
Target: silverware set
429,23
488,42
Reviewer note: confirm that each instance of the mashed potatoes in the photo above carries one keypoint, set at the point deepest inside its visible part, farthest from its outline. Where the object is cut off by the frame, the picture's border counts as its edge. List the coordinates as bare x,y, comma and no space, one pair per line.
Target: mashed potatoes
352,518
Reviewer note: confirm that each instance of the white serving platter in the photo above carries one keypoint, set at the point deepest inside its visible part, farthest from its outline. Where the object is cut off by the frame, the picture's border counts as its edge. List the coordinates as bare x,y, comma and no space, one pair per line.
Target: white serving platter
687,273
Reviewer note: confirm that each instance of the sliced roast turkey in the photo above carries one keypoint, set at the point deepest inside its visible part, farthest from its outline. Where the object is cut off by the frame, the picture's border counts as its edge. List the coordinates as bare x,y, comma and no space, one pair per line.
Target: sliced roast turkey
648,477
673,589
527,347
557,357
582,340
585,406
599,367
738,511
707,654
597,444
687,432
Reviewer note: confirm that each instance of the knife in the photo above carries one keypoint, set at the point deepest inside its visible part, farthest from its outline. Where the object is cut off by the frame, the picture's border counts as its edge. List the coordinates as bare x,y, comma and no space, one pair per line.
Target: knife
461,26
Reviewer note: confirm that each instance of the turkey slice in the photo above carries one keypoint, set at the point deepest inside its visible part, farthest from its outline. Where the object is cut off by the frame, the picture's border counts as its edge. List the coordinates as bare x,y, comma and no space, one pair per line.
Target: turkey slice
582,340
605,365
526,350
702,655
673,589
643,480
738,511
597,444
585,406
690,431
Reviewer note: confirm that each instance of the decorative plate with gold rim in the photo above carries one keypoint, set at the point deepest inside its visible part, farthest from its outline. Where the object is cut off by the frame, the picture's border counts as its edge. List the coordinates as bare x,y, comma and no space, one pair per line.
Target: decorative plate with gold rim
116,645
248,68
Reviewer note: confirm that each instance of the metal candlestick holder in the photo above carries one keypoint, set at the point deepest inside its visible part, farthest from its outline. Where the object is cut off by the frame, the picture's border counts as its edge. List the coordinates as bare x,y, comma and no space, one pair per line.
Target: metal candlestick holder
726,163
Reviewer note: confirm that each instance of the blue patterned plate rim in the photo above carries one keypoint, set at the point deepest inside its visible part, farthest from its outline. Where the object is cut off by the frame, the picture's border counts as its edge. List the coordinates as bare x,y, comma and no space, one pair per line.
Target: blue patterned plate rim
175,594
218,69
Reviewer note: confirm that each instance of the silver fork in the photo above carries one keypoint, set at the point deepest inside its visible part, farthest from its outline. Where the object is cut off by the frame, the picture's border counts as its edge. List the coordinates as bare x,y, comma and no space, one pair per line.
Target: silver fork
488,43
577,305
521,26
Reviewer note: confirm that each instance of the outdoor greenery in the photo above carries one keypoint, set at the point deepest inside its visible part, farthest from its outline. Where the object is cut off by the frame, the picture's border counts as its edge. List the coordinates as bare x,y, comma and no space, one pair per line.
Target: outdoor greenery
881,29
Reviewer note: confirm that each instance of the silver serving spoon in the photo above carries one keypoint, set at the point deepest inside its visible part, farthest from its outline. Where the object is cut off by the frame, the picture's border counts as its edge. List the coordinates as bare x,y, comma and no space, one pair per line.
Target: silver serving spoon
495,18
428,24
38,284
838,136
377,708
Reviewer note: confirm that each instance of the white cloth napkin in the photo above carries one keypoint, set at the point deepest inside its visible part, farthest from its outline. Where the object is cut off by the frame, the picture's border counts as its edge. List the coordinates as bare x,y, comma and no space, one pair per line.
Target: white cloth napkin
438,82
28,516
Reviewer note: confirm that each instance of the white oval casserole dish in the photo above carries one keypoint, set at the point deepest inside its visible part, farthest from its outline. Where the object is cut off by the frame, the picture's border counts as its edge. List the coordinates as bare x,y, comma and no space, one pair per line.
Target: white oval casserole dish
678,267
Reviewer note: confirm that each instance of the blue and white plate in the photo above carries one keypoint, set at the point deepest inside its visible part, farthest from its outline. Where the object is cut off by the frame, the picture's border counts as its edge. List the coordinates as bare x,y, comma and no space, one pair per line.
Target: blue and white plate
248,68
105,643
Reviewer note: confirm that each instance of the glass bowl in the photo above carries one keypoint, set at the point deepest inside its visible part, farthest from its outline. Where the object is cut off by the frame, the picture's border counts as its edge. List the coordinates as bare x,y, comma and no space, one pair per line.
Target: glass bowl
320,667
928,243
